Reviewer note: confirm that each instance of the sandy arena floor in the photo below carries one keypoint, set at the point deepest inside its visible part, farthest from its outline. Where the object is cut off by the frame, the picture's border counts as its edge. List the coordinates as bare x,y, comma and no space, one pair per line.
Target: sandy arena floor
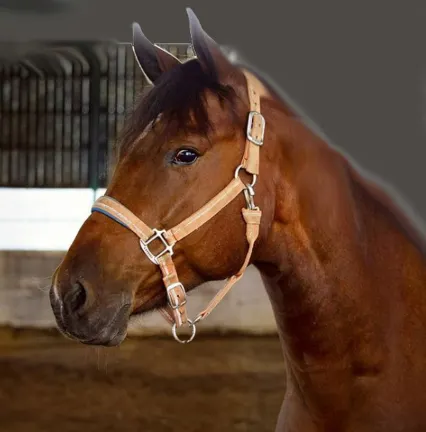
48,383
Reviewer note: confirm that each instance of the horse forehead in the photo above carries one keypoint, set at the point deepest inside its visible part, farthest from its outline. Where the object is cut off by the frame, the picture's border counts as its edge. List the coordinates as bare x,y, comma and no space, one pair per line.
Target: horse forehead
218,113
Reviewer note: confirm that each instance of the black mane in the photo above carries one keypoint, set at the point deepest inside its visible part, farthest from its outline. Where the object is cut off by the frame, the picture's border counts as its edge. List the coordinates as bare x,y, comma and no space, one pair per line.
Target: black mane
179,98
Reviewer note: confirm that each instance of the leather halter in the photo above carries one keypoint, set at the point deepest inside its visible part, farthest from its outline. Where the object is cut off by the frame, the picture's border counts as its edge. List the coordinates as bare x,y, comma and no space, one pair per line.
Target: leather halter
176,312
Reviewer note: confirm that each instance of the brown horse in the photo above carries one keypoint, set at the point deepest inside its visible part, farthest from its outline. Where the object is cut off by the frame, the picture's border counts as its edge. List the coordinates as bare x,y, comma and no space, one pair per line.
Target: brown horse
344,268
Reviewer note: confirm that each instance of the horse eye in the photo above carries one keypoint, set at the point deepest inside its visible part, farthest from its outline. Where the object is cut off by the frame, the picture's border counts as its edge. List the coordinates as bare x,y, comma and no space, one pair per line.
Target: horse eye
185,157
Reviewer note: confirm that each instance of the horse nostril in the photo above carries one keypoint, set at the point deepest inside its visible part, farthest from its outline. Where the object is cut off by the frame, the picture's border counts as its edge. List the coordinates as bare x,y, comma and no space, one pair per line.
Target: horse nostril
76,297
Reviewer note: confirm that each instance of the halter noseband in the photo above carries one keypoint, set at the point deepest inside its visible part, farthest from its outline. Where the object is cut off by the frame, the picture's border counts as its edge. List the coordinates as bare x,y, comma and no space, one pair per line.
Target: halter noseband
176,312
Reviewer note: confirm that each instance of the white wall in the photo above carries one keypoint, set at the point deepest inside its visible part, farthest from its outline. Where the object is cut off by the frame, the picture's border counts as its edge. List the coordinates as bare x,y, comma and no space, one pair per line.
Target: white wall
42,219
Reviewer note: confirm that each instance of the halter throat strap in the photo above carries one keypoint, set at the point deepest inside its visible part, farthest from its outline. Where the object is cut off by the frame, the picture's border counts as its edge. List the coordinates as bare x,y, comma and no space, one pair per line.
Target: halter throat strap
176,312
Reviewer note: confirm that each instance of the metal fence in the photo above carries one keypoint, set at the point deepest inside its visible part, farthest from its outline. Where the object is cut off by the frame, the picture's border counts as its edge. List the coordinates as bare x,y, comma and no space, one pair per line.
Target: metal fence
61,109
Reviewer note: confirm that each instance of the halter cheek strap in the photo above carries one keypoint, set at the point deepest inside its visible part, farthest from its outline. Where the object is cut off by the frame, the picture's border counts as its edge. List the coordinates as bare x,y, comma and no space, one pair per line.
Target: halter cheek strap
176,312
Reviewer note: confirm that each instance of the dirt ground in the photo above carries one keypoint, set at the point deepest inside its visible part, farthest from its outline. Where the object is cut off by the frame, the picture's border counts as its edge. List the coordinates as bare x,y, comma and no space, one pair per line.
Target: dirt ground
223,383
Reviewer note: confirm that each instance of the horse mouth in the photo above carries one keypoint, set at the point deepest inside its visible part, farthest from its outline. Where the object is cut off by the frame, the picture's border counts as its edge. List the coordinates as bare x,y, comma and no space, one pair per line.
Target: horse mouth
111,335
116,339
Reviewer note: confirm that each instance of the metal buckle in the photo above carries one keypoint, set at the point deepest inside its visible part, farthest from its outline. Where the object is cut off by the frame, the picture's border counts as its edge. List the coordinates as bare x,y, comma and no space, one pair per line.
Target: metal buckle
149,254
171,303
258,142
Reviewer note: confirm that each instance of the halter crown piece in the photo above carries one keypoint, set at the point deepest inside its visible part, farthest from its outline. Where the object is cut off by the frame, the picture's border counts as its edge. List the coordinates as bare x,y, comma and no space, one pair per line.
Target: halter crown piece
176,312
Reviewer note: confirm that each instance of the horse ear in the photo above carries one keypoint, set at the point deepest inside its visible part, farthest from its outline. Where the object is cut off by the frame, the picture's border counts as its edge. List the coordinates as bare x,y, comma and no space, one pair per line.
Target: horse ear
209,54
152,59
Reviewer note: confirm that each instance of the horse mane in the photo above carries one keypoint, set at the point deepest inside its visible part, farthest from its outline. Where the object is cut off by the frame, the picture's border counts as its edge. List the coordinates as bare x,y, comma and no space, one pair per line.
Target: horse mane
397,208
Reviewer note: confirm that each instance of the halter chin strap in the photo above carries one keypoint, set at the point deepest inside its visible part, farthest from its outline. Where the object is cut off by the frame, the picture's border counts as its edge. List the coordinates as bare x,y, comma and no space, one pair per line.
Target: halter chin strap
176,312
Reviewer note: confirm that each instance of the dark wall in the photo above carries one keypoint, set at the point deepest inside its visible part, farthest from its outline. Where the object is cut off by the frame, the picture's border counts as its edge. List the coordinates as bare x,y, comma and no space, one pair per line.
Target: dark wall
357,68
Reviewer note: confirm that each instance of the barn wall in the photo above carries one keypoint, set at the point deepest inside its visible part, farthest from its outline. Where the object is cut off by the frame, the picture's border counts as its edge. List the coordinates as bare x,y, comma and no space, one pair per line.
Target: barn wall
25,280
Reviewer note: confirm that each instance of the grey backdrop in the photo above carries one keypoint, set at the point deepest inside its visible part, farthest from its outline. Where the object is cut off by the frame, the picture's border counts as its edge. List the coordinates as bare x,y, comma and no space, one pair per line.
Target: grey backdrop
356,68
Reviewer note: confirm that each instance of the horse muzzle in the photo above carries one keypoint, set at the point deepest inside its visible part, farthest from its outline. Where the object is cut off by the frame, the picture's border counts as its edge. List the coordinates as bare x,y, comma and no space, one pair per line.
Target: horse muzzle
97,324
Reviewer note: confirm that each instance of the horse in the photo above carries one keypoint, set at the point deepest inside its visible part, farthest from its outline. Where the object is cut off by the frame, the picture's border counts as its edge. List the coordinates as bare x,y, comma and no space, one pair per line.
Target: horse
215,172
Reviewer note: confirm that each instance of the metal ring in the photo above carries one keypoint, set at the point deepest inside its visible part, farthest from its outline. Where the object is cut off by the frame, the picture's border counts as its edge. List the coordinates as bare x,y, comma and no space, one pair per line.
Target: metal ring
254,175
194,329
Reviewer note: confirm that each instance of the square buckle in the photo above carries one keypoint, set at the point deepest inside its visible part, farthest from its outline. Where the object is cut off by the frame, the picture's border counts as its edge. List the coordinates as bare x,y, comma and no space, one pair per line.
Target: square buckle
251,138
167,248
171,300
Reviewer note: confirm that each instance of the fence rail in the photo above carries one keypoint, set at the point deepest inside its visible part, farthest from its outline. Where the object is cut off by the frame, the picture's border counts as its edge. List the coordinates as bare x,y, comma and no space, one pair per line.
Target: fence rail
61,109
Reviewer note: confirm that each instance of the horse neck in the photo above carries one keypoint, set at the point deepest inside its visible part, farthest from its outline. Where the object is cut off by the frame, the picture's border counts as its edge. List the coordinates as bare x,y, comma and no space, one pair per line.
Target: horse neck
334,261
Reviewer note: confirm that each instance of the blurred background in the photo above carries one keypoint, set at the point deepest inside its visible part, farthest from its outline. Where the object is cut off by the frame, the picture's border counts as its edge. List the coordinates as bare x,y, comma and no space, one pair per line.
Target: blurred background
68,80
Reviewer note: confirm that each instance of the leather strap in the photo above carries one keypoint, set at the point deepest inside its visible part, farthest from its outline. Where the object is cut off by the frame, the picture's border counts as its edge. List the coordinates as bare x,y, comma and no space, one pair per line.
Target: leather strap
121,214
175,291
252,219
118,212
207,212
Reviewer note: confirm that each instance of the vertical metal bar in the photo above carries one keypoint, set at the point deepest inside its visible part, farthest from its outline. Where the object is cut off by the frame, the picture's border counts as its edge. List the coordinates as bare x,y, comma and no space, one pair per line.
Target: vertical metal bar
46,131
50,119
117,80
107,115
95,78
124,103
11,129
2,138
37,129
68,127
38,144
72,119
128,78
14,129
32,137
81,126
125,84
103,119
23,131
63,135
54,131
84,157
59,121
17,108
28,127
134,81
